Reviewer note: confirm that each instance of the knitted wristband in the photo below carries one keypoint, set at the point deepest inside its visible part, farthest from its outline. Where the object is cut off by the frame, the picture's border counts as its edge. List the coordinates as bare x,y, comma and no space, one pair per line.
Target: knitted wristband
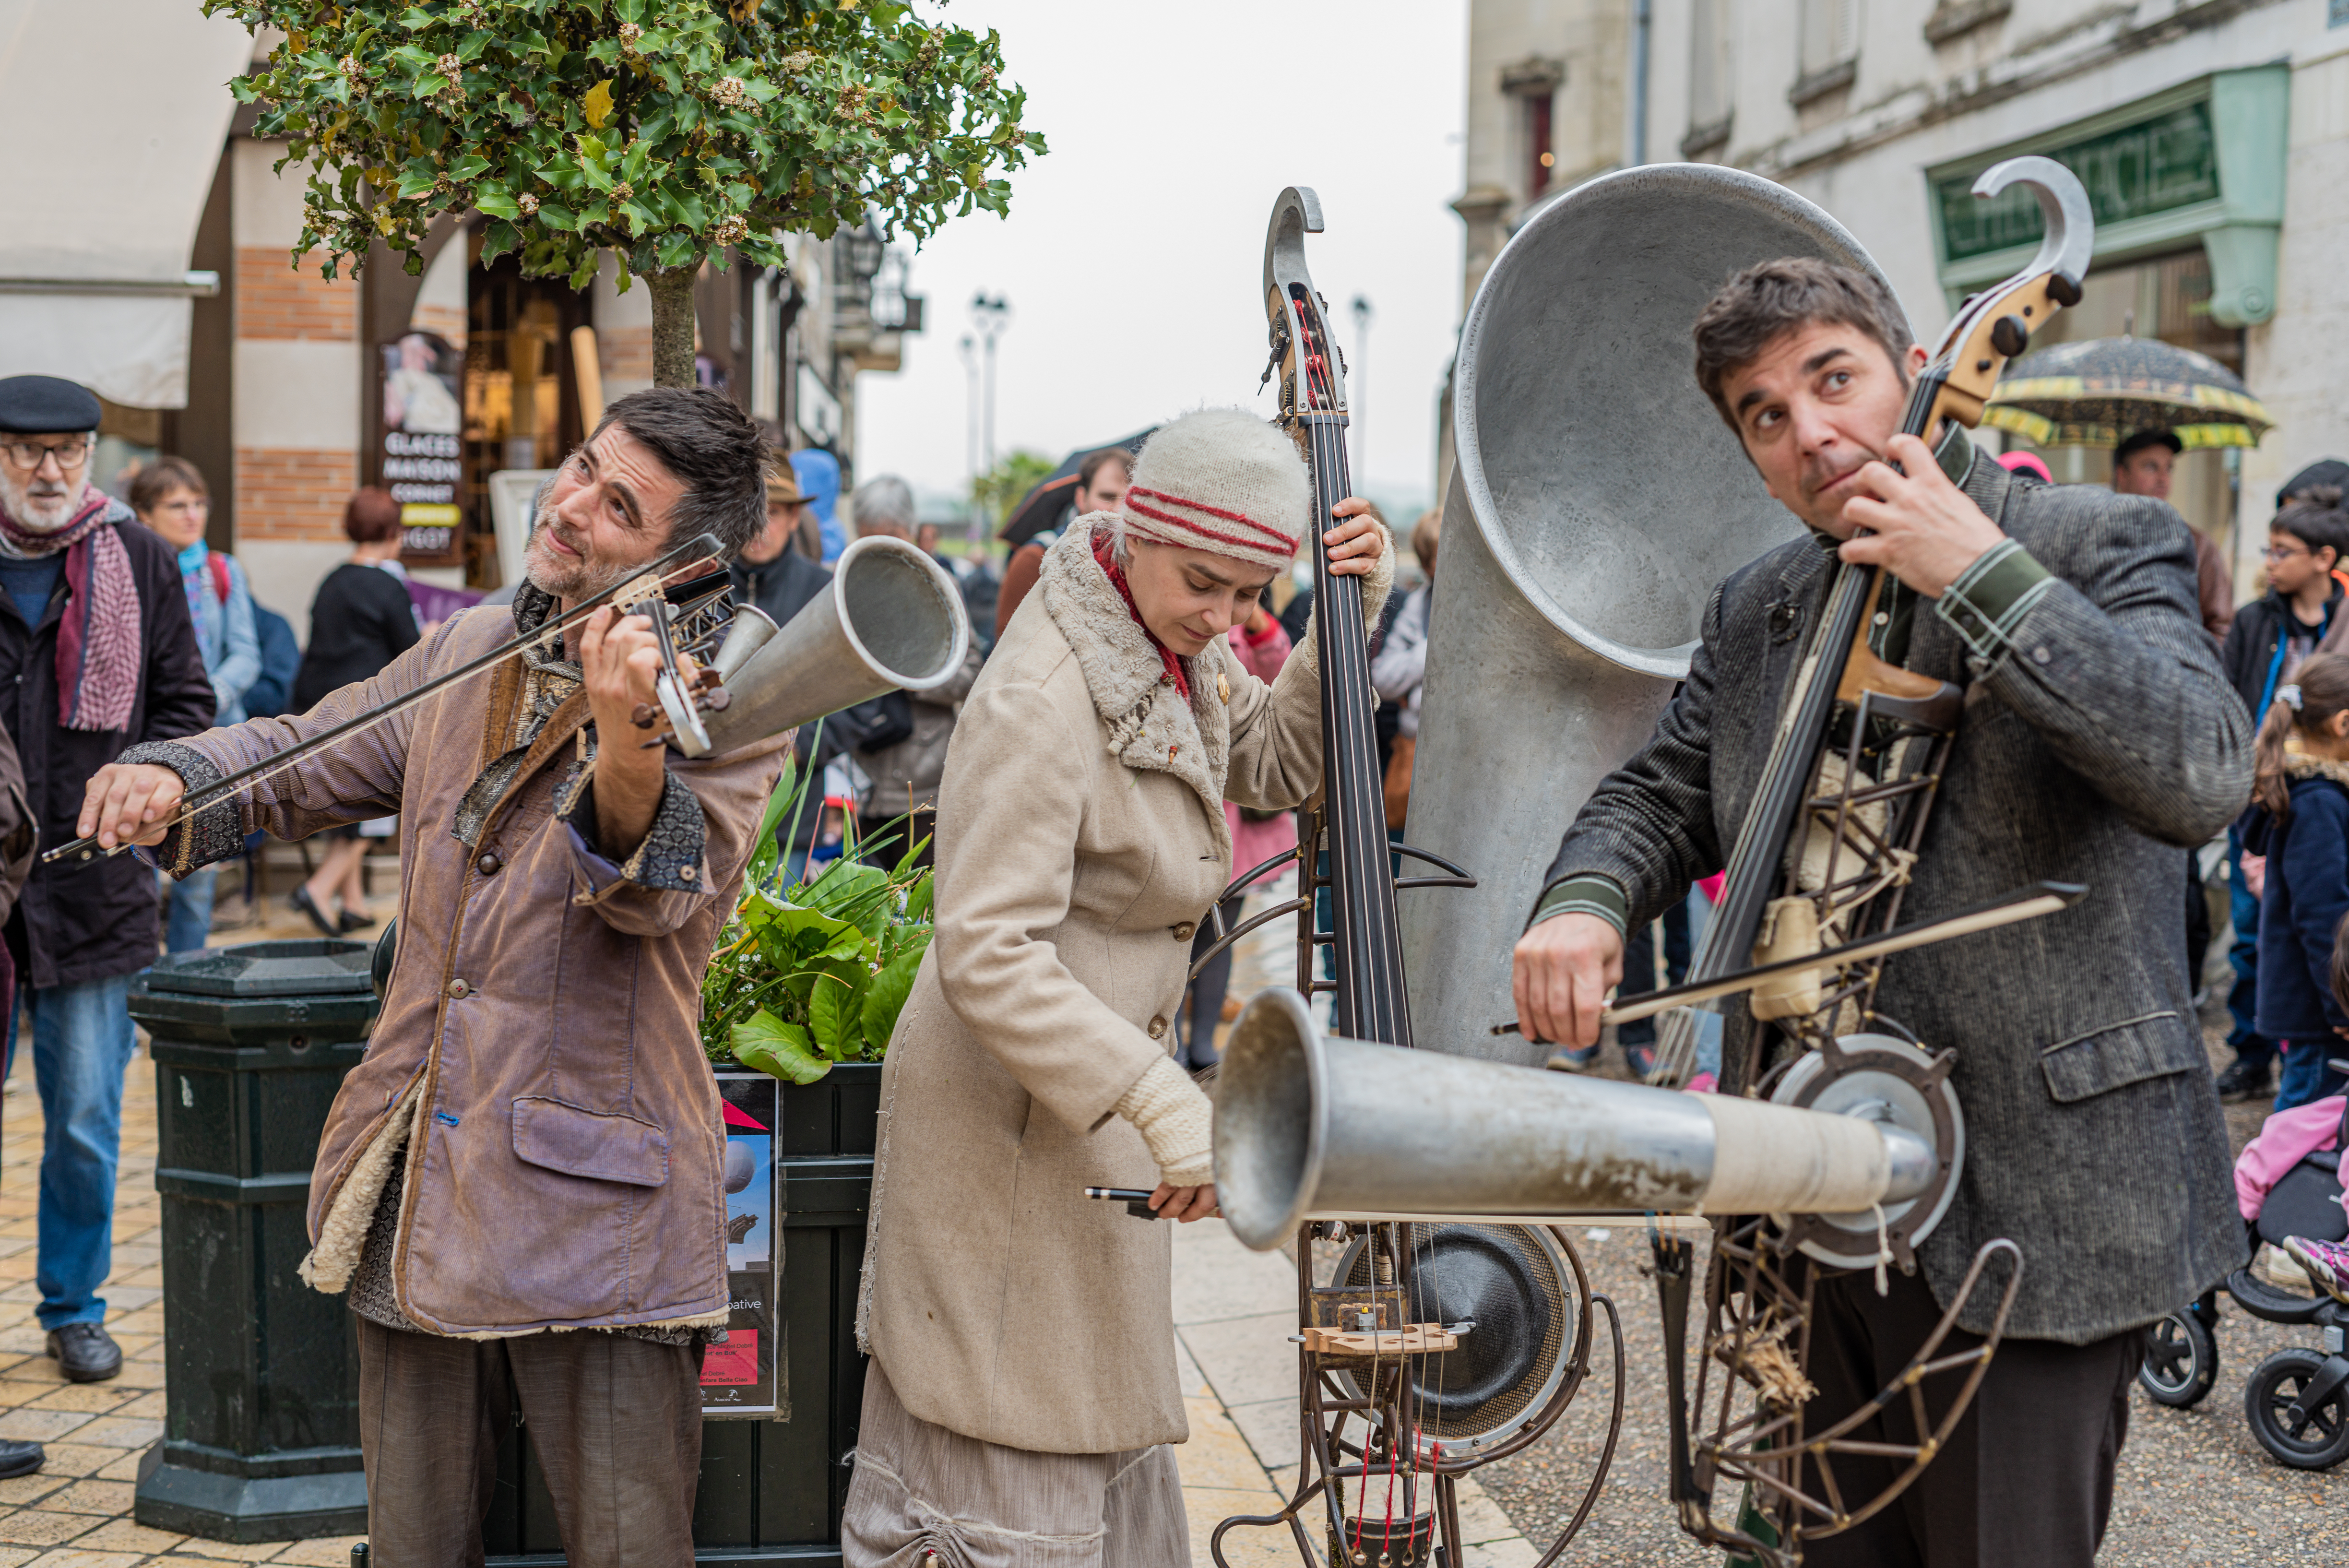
1176,1119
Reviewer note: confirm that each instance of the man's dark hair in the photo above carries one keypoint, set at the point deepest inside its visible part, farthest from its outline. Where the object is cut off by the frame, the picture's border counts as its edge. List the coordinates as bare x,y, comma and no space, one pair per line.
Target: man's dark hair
1771,298
2143,440
715,450
2317,521
1095,460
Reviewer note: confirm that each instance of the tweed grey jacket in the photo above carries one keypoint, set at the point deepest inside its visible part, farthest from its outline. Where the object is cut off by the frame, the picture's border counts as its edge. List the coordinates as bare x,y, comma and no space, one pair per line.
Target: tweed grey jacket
2097,745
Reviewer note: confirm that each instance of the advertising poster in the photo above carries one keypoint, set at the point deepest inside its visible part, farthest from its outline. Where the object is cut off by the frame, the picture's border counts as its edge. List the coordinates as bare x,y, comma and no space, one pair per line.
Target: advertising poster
422,420
743,1374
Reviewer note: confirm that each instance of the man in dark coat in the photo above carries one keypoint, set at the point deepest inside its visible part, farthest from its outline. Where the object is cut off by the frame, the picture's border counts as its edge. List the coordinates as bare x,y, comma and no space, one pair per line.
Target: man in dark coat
2099,740
97,653
773,575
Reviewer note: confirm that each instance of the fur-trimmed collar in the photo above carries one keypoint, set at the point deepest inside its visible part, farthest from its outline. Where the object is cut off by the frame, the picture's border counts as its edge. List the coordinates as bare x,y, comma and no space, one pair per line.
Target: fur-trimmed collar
2301,765
1150,725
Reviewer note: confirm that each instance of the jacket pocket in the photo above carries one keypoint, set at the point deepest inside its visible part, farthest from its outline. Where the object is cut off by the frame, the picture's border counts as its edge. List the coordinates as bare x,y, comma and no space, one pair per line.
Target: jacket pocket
2150,1045
604,1146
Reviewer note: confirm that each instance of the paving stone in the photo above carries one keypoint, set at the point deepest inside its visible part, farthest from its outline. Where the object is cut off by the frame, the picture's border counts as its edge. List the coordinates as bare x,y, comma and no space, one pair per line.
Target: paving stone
225,1550
101,1496
90,1398
124,1469
19,1489
328,1552
41,1426
129,1535
1271,1429
1216,1277
1481,1519
1246,1359
121,1431
1217,1456
66,1459
79,1556
17,1556
1207,1507
149,1403
36,1527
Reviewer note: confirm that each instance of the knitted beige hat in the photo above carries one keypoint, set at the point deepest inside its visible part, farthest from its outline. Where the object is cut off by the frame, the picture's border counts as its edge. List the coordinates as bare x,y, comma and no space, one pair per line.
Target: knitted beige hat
1223,481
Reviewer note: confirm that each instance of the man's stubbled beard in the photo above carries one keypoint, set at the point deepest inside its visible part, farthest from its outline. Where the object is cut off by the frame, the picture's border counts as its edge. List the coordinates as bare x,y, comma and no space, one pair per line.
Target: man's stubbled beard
567,579
39,513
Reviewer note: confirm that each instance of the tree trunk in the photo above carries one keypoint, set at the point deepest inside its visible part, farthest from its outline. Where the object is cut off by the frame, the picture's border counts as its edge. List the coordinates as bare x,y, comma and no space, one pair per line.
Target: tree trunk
673,326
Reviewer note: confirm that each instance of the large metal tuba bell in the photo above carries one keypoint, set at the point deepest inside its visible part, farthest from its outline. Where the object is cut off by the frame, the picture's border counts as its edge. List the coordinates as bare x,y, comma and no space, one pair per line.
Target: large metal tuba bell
892,619
1308,1124
1598,500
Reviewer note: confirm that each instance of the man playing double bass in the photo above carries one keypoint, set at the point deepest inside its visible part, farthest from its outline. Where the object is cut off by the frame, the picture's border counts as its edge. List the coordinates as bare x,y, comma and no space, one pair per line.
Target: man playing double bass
2099,738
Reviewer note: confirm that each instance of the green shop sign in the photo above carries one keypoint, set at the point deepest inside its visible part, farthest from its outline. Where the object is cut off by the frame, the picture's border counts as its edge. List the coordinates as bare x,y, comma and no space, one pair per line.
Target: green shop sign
2201,162
2139,170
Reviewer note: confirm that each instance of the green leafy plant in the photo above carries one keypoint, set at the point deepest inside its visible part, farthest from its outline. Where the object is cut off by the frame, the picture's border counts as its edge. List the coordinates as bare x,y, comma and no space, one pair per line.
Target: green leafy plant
664,131
1002,487
813,974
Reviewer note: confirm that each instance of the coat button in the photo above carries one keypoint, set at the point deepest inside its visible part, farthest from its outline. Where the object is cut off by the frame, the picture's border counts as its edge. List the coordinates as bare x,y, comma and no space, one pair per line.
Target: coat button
459,990
2039,655
1183,933
489,864
1157,1028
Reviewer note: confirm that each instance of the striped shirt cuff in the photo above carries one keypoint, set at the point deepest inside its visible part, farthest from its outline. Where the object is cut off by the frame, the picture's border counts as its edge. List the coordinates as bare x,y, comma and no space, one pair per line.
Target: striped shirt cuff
1590,893
1990,597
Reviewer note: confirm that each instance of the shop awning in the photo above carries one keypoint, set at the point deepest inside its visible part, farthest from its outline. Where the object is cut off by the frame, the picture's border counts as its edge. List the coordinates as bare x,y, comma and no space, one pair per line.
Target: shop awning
119,110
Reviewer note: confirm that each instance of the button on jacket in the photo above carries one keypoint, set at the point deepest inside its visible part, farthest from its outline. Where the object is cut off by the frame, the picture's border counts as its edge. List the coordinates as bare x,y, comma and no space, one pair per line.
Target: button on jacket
537,1063
92,919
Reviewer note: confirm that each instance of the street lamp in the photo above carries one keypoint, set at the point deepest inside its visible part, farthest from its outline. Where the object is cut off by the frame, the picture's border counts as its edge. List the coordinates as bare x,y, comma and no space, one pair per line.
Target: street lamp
1358,389
969,348
990,317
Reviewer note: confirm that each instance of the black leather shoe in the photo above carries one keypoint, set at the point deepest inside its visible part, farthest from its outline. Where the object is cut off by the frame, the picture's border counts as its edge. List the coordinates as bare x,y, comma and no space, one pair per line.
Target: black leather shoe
300,898
86,1351
352,920
19,1459
2243,1082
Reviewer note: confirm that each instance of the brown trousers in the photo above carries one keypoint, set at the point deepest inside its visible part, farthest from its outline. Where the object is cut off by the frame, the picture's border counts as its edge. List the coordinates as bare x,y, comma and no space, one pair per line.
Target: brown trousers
615,1423
2027,1475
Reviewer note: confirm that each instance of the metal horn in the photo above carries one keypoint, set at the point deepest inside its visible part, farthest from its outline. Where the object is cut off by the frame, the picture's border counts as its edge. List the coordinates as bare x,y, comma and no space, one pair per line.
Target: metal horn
892,620
1597,500
1309,1125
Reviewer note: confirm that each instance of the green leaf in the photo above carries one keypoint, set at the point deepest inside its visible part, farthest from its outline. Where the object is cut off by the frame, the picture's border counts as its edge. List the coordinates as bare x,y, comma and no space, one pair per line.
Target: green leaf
772,1046
884,998
554,215
431,84
835,1015
470,166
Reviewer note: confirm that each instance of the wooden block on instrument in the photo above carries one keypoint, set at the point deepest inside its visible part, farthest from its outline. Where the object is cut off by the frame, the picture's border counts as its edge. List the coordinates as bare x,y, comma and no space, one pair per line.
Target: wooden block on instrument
1414,1339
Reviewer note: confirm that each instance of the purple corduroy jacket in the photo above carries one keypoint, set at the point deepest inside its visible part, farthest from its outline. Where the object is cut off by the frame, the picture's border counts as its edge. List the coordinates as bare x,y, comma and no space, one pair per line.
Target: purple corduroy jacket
537,1063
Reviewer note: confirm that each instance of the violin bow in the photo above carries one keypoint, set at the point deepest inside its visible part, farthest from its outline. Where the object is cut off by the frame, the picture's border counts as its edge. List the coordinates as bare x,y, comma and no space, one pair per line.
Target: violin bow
629,590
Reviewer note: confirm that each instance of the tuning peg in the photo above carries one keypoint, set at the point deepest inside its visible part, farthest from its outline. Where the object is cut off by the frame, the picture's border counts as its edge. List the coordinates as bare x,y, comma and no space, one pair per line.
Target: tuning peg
2009,336
644,716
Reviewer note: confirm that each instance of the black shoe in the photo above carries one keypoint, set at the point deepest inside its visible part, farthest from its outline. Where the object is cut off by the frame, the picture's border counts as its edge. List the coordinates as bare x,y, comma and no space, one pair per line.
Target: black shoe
351,920
2244,1081
300,898
19,1459
86,1351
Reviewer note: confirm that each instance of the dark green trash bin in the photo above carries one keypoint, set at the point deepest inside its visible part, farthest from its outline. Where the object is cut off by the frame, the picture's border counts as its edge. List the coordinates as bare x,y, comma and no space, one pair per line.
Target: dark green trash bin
261,1438
771,1488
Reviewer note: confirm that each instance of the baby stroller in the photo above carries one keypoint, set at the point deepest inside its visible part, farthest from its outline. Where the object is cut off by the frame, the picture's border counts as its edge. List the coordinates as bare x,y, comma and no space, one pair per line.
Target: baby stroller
2297,1400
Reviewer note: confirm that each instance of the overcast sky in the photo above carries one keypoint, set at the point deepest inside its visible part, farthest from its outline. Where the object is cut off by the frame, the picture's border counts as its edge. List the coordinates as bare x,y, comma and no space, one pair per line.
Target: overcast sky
1134,252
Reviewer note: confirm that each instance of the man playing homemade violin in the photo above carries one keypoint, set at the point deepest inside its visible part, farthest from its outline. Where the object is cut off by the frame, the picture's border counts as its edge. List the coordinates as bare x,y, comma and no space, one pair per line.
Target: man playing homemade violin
2099,738
532,1142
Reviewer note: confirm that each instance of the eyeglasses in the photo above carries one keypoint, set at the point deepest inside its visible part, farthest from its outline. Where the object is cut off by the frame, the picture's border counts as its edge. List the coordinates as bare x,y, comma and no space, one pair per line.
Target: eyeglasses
2281,552
29,454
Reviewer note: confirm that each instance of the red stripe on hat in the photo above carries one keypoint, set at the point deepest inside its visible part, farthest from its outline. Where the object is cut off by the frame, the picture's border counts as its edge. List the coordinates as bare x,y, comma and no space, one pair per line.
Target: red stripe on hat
1239,517
1255,546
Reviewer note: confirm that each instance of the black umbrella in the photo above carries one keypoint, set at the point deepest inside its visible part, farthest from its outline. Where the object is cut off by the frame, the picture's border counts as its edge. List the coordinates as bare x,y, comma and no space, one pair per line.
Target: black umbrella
1042,507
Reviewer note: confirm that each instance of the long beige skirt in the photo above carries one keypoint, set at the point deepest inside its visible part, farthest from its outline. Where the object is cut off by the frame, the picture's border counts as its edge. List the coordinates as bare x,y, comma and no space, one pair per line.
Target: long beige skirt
923,1497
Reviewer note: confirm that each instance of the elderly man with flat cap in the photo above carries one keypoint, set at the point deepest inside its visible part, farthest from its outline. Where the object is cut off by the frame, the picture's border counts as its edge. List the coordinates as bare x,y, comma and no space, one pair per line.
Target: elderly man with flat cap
97,653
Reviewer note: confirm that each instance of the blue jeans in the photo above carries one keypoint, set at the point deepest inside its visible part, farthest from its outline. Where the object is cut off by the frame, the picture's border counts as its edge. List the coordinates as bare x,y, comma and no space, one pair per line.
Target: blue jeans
190,917
82,1044
2251,1048
1640,967
2307,1073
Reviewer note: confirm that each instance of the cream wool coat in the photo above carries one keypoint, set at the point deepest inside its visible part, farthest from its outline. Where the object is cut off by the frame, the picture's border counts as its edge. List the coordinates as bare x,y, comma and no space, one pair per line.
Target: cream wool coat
1081,838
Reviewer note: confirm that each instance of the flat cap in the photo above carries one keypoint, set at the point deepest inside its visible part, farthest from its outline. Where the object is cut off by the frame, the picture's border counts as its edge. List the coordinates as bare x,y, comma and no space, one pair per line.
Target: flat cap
45,405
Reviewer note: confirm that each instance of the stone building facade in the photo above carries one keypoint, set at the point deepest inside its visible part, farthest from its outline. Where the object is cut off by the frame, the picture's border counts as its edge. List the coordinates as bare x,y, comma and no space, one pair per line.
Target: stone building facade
2213,134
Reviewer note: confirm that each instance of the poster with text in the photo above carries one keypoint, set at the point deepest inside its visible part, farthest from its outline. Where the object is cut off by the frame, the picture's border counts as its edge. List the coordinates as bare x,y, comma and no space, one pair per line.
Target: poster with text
743,1374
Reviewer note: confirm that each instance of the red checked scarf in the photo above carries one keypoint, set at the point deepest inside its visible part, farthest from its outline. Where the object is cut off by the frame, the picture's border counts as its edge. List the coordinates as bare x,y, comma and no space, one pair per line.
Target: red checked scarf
98,649
1108,561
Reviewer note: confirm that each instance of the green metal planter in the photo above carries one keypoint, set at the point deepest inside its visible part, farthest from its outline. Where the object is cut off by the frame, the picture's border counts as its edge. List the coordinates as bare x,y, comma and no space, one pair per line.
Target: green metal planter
261,1438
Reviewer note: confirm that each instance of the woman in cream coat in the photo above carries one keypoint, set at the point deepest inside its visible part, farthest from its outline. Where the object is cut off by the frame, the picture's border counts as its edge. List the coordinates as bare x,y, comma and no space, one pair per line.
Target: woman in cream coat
1023,1385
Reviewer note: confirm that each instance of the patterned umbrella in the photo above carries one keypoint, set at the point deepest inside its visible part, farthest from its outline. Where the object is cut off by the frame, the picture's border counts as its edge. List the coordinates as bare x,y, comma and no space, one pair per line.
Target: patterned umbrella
2097,392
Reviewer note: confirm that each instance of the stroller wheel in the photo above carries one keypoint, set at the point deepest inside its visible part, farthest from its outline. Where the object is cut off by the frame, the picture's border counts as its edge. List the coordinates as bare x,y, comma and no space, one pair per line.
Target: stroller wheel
2305,1437
2181,1360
